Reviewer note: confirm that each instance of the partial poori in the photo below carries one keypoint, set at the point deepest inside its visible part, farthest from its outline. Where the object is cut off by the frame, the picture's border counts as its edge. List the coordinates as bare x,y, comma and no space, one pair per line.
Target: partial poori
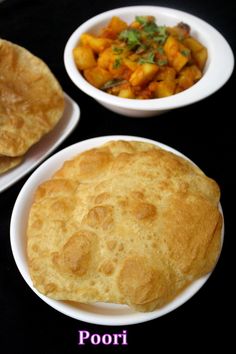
31,102
126,223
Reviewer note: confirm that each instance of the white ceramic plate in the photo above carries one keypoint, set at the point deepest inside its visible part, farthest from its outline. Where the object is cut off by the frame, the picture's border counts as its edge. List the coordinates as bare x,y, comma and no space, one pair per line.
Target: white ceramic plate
45,146
99,313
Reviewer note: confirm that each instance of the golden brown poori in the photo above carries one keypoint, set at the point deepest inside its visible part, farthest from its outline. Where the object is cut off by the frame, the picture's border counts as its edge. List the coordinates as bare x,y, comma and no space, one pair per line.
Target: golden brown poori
125,223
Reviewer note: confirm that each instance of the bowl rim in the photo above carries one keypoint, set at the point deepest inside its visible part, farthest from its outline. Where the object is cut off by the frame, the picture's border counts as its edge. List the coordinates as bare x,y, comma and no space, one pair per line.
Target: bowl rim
18,226
213,79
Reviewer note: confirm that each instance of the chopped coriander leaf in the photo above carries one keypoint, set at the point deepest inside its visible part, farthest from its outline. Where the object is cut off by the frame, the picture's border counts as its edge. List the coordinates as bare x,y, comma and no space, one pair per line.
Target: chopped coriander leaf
162,31
160,50
117,50
117,63
112,83
150,28
131,36
143,20
161,35
149,59
185,52
162,62
160,39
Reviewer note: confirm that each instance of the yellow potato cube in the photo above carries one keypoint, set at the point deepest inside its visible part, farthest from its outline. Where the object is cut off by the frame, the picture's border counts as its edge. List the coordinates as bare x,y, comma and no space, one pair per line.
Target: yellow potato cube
165,88
97,76
95,43
179,61
188,76
117,25
106,58
175,53
200,58
143,74
126,93
166,73
132,65
171,47
84,57
193,44
199,52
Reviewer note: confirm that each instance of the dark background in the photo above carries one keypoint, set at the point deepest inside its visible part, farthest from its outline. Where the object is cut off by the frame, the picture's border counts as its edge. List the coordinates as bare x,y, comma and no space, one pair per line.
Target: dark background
203,131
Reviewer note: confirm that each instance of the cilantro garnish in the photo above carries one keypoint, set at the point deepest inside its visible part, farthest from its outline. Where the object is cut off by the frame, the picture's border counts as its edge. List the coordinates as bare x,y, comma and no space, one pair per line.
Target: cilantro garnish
160,50
149,59
161,35
150,28
117,50
162,62
185,52
117,63
131,36
143,20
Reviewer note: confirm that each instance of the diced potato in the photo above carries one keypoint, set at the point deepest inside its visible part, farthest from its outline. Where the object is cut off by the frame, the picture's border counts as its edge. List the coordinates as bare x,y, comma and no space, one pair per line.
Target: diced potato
165,88
135,25
166,73
132,65
193,44
117,25
144,94
97,76
95,43
84,57
153,86
200,58
117,70
126,93
199,52
179,61
171,47
185,81
188,76
178,89
106,58
143,74
174,51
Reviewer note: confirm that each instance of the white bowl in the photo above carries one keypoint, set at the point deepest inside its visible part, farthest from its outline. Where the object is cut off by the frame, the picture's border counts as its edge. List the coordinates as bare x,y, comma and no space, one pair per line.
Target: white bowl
217,71
99,313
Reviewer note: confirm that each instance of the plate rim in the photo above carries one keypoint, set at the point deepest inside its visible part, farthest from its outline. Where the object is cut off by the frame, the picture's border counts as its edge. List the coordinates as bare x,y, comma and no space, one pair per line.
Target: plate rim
128,319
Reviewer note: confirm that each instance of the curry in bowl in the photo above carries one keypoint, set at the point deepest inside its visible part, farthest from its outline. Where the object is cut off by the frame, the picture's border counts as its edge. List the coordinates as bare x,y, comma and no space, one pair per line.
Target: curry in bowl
141,60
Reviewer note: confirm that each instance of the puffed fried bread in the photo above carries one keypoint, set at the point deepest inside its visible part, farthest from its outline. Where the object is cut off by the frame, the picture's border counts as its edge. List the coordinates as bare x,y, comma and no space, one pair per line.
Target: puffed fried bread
31,99
126,223
7,163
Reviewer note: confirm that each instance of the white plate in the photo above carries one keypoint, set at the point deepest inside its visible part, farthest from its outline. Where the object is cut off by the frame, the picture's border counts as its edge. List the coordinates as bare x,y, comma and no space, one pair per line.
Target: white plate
98,313
45,146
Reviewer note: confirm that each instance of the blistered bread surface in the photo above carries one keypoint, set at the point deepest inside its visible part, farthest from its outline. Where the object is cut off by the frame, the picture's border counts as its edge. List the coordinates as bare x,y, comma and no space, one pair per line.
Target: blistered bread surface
31,99
125,223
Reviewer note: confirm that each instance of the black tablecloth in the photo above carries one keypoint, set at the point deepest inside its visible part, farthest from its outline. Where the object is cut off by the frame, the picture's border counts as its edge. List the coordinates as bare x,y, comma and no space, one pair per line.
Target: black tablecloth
204,132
